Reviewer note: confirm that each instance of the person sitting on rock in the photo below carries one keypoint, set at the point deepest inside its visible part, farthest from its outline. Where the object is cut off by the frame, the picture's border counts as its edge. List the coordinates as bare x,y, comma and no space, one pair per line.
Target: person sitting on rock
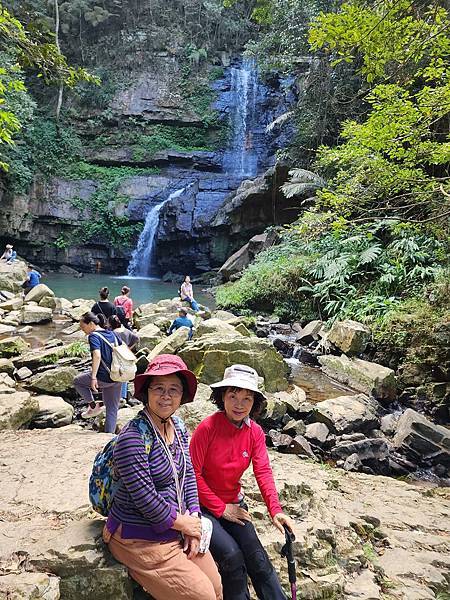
187,293
124,304
153,525
12,258
104,306
222,448
7,253
32,280
98,378
182,321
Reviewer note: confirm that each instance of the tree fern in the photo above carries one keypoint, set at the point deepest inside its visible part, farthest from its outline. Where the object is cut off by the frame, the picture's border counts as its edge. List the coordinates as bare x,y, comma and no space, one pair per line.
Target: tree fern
370,254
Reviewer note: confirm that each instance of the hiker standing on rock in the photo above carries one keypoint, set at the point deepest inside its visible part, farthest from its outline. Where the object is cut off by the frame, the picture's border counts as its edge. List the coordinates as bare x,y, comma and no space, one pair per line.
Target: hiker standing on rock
153,525
129,338
98,379
222,447
124,305
103,306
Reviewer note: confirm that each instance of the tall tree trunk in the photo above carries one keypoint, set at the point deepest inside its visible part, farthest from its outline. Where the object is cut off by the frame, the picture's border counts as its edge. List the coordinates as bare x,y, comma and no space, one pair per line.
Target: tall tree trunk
61,85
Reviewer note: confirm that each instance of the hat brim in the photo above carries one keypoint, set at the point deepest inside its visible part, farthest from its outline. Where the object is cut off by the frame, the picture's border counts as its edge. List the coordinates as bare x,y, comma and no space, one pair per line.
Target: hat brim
189,377
239,383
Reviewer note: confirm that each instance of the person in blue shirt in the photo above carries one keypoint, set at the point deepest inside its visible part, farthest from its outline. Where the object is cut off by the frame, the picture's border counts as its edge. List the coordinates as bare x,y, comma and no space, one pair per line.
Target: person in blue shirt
32,280
182,321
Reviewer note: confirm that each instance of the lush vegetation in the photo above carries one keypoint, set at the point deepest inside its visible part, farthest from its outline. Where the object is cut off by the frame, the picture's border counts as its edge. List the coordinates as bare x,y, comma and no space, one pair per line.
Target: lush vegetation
102,215
377,236
326,269
32,49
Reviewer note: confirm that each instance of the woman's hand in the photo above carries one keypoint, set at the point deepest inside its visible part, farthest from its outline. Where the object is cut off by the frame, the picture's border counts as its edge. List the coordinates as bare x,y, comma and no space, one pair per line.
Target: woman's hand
191,546
281,519
235,514
188,525
94,384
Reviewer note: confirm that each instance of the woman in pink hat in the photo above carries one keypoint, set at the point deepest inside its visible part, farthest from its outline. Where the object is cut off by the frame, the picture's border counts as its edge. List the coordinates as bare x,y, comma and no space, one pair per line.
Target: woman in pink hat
222,448
153,526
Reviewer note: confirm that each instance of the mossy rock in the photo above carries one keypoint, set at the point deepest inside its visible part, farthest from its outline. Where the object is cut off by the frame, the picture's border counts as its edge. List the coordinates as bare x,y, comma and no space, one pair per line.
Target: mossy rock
54,381
209,356
12,346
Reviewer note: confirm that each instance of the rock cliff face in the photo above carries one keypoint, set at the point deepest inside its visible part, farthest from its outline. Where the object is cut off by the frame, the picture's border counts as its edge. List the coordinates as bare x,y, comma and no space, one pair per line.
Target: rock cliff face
46,225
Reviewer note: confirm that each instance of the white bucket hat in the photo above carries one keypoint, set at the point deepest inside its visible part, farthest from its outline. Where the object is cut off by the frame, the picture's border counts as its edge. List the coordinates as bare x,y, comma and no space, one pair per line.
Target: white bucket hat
241,376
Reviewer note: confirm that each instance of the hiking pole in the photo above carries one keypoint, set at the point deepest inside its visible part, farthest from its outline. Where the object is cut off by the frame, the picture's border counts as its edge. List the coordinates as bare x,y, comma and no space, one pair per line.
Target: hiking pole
286,552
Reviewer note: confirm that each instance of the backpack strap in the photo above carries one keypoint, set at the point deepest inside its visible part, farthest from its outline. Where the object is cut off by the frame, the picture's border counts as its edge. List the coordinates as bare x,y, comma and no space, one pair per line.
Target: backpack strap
110,345
100,308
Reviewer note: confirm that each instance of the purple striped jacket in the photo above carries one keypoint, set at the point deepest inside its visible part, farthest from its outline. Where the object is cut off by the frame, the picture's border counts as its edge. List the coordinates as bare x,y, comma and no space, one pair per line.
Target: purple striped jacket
145,505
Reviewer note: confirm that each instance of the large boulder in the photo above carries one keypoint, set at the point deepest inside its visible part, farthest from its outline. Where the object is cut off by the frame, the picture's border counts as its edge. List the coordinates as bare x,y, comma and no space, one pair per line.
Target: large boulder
193,413
12,346
50,302
6,366
341,519
368,449
36,314
53,412
349,336
12,276
39,358
54,381
210,355
216,326
5,329
38,292
7,384
12,304
29,586
224,315
75,555
76,311
422,440
149,336
236,263
171,343
17,409
367,377
348,413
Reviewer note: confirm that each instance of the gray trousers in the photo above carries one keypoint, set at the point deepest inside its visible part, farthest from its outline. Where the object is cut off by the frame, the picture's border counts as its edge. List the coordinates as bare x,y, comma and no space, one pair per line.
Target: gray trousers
111,397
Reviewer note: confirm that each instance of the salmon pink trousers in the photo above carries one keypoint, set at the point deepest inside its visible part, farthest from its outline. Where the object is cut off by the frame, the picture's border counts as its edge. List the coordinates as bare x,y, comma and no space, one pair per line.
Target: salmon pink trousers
164,570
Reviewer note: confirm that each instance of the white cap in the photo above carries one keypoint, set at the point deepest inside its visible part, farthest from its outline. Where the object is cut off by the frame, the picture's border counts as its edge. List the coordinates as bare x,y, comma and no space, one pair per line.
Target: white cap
241,376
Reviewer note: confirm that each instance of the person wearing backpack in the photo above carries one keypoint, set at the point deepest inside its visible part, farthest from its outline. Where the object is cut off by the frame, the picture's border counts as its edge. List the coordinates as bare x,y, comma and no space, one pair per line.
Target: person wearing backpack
153,524
103,306
124,307
101,343
128,337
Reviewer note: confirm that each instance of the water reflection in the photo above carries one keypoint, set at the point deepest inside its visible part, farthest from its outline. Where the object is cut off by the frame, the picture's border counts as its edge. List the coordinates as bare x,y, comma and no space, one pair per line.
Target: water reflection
316,384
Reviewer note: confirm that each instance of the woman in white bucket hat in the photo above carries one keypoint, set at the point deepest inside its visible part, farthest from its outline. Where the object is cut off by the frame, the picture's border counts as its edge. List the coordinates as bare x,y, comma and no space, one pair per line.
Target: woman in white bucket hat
222,448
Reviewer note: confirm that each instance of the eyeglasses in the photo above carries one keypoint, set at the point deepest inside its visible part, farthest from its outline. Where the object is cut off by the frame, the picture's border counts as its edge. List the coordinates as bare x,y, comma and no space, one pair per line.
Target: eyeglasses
172,392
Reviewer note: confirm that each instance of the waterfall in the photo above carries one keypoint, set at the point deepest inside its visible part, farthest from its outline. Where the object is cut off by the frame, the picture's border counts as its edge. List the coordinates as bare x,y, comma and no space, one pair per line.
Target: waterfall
142,263
241,157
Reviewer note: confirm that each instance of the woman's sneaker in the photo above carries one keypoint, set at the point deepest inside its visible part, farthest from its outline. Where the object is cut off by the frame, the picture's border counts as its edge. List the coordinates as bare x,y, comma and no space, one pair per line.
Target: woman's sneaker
93,410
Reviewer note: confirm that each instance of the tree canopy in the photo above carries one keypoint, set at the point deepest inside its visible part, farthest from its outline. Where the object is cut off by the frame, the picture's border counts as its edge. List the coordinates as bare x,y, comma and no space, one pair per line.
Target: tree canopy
33,49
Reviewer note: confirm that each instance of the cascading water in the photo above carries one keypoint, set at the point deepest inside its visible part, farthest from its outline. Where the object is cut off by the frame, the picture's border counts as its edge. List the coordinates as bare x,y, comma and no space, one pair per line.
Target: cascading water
241,158
142,263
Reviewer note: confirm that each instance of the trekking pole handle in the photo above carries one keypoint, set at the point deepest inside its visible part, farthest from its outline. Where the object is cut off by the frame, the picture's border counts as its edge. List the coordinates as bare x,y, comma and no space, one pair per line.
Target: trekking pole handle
287,552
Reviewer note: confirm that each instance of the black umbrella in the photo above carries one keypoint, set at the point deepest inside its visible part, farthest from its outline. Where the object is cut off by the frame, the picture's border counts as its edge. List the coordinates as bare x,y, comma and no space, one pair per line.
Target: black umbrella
286,552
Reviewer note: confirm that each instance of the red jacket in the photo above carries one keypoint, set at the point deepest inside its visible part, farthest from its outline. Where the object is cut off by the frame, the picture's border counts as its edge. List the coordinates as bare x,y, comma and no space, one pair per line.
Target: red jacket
220,453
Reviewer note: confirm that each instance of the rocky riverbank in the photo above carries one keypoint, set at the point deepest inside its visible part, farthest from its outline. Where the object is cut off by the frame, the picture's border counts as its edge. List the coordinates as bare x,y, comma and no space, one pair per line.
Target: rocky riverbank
359,535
